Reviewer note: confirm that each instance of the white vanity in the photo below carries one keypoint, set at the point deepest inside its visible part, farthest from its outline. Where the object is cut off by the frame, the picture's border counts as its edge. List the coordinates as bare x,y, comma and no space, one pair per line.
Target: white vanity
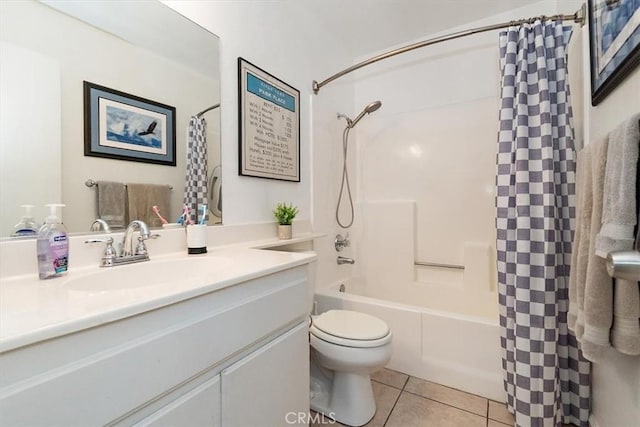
219,339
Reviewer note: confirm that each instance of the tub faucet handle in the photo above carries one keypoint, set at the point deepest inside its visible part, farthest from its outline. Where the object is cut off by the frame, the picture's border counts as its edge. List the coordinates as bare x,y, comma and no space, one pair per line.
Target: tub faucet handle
341,242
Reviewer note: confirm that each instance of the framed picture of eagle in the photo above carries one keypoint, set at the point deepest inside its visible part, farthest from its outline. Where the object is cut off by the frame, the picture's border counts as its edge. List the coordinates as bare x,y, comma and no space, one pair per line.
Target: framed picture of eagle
121,126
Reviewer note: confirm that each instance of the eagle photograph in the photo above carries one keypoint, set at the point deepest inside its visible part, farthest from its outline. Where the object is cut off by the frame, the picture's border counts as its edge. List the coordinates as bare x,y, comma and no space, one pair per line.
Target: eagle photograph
130,127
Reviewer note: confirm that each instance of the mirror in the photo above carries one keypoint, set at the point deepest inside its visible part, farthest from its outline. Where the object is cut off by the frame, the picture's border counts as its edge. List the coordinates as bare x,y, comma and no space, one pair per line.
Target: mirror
142,48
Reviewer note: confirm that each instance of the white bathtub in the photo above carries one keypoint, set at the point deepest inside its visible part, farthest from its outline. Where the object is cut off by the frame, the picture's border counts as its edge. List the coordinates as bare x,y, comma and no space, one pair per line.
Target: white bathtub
455,350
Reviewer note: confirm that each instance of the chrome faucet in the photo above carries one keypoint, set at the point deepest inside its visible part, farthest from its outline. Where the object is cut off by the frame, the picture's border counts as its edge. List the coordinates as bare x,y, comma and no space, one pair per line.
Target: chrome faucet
98,224
128,254
127,240
345,260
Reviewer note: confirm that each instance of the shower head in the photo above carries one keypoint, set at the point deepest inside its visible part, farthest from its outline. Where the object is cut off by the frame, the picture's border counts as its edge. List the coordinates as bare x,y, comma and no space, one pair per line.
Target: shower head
368,109
373,106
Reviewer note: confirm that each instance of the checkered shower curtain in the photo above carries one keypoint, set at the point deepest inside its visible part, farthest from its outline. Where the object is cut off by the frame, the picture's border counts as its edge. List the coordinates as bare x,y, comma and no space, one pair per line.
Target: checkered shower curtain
545,377
195,186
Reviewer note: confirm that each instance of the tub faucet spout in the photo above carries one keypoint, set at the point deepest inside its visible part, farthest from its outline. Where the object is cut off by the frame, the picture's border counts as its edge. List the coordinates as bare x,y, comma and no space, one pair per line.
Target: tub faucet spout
345,260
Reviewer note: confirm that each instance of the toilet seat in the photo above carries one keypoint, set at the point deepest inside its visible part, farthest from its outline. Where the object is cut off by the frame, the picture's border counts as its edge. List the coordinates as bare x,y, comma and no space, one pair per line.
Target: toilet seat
350,328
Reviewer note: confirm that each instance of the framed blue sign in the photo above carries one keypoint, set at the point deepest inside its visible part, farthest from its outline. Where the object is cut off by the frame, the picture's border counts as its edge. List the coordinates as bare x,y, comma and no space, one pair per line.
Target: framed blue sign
126,127
614,36
269,125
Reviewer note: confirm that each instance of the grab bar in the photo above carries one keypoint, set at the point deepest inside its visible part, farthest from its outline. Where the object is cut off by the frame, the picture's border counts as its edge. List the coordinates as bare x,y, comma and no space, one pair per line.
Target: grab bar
437,265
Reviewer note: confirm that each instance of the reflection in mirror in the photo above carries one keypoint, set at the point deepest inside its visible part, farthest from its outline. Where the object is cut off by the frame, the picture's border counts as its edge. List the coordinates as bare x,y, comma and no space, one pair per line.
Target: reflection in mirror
47,51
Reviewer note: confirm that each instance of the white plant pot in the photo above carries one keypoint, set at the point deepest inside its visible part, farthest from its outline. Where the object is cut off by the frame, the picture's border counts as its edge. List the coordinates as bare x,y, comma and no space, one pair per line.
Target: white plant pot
284,232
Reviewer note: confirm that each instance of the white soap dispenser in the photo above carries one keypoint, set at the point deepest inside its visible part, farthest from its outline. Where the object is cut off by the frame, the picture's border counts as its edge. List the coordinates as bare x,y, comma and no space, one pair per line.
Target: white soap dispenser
27,225
53,246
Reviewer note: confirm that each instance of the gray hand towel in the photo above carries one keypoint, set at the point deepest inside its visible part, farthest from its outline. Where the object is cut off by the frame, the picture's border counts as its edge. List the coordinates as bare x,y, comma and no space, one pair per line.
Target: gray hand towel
619,210
112,198
142,197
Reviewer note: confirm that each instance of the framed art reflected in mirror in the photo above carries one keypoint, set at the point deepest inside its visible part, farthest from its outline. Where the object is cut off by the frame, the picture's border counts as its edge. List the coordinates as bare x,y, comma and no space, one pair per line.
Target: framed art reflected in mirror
614,38
127,127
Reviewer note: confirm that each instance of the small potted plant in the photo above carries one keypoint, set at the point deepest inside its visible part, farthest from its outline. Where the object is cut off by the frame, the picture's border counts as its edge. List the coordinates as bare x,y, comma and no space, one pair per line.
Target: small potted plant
285,214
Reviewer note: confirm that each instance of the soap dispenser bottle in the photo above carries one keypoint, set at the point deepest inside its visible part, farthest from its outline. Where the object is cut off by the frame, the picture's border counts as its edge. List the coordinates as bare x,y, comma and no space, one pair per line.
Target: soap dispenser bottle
27,225
52,246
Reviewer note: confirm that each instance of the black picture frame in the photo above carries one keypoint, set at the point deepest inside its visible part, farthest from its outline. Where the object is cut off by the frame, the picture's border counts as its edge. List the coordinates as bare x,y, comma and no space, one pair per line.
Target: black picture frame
614,42
121,126
268,125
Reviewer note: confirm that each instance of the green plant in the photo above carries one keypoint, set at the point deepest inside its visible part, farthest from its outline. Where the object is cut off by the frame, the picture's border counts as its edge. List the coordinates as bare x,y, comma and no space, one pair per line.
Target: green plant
285,214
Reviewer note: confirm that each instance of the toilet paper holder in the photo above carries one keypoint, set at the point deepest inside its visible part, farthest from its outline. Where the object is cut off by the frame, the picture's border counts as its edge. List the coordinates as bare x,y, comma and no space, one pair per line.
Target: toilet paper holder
624,265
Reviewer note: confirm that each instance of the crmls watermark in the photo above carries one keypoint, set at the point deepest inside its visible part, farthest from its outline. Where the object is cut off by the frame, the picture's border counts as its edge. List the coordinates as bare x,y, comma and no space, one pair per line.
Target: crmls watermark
305,418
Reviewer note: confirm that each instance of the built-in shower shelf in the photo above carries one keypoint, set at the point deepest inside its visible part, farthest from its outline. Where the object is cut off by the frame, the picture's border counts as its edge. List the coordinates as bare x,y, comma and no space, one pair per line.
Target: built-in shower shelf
299,243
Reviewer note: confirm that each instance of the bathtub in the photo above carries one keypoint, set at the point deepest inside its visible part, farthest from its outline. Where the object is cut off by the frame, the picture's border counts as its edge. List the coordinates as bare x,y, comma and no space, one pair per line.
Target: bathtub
447,348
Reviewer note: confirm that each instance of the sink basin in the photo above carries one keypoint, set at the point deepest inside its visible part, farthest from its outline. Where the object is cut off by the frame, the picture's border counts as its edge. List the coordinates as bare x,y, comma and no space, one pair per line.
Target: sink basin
165,273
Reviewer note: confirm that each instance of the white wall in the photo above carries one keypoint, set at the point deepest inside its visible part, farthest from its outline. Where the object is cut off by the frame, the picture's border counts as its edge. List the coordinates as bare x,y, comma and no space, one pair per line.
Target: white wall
281,38
29,134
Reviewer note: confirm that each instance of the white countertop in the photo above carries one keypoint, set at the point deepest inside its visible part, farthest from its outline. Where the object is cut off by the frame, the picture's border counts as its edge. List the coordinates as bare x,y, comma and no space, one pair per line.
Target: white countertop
33,310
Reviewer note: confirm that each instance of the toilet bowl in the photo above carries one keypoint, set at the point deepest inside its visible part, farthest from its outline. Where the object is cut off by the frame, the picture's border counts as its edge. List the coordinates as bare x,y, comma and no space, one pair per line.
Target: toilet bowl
346,346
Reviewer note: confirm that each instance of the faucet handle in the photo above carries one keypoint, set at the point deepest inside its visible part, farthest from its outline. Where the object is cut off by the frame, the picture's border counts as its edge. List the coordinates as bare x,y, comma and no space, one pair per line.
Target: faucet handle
141,248
108,241
341,242
109,252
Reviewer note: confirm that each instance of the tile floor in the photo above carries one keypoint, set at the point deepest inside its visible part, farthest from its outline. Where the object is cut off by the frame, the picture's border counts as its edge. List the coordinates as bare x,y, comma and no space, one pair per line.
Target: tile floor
406,401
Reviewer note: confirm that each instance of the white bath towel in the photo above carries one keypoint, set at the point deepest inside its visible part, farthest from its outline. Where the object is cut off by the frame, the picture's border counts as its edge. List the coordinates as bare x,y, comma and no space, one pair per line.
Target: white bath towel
617,229
598,286
600,313
619,209
580,246
625,335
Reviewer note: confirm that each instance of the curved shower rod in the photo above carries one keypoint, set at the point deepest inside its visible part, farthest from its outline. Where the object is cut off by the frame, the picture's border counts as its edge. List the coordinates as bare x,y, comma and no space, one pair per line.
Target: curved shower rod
578,17
213,107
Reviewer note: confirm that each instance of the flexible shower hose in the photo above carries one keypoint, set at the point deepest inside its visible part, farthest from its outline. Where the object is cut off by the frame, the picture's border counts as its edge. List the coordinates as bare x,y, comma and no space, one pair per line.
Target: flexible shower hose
345,179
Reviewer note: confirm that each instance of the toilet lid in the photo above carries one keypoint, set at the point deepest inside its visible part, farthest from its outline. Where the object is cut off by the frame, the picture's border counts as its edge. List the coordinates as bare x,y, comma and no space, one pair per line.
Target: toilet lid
351,325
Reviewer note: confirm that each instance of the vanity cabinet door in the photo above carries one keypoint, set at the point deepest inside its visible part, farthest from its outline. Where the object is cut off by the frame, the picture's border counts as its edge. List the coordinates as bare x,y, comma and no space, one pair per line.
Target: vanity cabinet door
198,407
270,386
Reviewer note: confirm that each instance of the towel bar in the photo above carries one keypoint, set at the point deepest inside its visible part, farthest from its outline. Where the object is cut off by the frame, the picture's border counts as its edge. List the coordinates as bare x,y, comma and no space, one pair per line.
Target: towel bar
437,265
91,183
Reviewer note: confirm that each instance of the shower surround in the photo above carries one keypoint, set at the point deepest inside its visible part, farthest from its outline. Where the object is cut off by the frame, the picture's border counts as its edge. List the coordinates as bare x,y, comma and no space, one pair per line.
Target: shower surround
423,309
424,177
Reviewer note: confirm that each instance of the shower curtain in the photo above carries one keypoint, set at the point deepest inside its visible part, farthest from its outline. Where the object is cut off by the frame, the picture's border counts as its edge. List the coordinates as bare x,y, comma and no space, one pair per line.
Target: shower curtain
545,377
195,186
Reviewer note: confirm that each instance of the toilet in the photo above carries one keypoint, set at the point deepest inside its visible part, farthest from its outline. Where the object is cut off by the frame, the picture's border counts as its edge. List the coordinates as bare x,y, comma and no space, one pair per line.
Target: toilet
346,346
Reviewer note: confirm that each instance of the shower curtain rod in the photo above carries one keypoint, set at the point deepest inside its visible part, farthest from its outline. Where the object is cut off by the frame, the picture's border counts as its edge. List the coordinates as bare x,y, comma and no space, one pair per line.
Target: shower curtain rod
578,17
207,109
